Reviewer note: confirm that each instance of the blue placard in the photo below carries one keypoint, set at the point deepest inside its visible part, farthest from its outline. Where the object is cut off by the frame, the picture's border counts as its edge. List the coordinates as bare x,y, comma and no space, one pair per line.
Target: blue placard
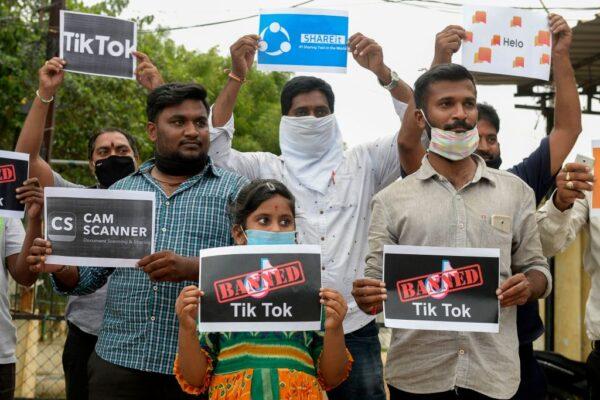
303,40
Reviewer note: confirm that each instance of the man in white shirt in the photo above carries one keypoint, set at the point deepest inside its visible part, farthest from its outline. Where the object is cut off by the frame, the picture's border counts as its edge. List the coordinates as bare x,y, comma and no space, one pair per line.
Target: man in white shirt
333,187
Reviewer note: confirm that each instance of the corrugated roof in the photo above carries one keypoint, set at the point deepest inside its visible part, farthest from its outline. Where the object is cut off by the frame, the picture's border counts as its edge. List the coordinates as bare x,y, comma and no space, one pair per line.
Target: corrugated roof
585,57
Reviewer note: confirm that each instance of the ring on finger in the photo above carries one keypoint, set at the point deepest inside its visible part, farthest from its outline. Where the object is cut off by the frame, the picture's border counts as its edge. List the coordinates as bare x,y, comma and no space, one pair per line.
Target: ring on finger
570,185
568,177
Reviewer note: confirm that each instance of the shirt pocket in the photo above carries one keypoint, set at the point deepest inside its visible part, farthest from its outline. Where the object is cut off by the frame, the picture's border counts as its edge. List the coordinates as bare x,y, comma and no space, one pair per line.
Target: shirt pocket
345,191
497,237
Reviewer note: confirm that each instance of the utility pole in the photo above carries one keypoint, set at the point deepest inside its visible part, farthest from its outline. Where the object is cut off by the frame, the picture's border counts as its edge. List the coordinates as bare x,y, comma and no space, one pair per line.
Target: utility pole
52,42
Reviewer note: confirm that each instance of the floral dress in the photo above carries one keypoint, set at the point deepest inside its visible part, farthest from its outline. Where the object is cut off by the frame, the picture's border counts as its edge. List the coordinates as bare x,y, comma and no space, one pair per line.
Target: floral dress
261,365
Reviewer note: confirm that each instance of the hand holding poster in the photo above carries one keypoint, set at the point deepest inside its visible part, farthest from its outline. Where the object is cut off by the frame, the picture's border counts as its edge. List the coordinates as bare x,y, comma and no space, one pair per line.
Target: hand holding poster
441,288
303,39
98,45
14,169
507,41
260,288
98,227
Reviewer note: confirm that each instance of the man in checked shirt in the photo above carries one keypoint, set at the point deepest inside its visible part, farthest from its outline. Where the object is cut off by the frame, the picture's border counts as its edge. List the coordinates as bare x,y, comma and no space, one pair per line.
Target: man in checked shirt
138,340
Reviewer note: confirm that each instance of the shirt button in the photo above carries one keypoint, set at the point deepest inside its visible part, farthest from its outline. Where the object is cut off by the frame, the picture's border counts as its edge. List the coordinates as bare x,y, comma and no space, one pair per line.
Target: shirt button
323,268
164,229
461,352
167,203
155,288
152,318
461,226
321,212
458,198
322,238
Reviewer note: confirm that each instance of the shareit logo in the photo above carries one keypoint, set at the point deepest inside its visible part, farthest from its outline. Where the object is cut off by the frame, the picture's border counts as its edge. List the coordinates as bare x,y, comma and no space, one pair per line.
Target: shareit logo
276,34
62,227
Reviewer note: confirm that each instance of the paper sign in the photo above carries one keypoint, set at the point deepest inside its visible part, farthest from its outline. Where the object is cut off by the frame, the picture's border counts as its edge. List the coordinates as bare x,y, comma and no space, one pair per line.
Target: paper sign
595,212
260,288
441,288
507,41
303,39
98,45
14,169
98,227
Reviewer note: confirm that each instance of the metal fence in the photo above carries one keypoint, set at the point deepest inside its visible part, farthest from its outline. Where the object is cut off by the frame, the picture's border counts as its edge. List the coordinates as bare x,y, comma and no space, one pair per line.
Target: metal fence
38,314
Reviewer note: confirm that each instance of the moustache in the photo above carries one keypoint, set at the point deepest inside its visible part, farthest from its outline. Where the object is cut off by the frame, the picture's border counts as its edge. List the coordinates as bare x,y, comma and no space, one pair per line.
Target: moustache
458,124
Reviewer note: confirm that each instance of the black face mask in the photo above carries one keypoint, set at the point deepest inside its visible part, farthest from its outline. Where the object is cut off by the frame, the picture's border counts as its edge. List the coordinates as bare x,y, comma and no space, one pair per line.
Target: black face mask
494,162
175,165
114,168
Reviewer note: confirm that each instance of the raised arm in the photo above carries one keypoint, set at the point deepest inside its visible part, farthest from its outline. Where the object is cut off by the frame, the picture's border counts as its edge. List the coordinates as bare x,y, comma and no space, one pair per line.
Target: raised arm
51,76
567,110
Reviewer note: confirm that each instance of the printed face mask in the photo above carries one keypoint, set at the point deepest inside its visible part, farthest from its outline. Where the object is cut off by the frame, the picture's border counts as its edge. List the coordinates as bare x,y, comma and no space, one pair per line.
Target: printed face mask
256,237
453,145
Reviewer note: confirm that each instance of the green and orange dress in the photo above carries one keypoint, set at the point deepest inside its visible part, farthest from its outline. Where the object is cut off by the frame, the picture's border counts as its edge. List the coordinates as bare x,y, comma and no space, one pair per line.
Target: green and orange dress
261,365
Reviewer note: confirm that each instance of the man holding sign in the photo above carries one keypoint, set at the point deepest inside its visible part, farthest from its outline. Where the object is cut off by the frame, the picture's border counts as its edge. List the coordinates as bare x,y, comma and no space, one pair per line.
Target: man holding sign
138,339
332,187
455,200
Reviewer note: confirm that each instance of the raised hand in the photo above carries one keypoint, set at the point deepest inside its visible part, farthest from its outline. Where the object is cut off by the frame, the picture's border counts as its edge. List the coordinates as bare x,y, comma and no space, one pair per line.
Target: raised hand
562,36
146,73
571,182
51,76
369,54
242,55
447,42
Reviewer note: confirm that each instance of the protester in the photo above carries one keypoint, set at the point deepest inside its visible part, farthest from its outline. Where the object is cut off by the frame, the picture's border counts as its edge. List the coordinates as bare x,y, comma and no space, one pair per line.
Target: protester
112,155
13,245
537,170
138,338
332,186
560,220
301,362
451,201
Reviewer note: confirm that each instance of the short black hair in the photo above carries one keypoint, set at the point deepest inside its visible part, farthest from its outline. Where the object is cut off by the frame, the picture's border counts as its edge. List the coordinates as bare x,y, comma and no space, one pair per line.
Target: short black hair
254,194
489,114
131,139
172,94
304,84
442,72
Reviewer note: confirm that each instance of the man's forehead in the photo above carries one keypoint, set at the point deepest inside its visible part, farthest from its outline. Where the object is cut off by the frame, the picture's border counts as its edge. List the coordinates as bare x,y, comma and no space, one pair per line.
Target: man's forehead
188,108
452,89
111,137
314,98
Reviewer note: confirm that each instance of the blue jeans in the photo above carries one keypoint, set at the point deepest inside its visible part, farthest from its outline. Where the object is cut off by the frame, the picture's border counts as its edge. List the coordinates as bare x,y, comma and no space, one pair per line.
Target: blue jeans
366,378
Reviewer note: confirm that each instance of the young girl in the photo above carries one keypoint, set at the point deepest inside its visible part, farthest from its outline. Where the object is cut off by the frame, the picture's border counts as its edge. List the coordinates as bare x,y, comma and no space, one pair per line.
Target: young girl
262,365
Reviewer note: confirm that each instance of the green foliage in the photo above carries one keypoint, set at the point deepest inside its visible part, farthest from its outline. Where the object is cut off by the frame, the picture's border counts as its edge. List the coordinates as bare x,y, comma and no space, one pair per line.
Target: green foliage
86,104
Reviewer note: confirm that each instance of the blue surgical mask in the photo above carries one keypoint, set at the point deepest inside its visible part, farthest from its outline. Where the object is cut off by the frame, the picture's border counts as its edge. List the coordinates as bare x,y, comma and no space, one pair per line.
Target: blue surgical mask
256,237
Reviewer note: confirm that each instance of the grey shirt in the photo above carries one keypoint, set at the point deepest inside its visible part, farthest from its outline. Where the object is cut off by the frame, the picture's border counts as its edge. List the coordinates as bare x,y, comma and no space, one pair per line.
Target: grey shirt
425,209
85,312
12,235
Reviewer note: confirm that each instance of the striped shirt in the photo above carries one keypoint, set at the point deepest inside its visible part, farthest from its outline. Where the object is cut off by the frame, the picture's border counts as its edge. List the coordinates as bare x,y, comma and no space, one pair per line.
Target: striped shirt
140,327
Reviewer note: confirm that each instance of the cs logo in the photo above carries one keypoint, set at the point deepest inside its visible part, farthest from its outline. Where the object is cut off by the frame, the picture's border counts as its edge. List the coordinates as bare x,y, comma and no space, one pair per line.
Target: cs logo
62,227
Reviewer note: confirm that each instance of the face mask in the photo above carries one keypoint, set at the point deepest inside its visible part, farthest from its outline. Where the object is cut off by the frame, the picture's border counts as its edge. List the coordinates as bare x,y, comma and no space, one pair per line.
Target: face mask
453,145
494,162
312,148
110,170
256,237
177,166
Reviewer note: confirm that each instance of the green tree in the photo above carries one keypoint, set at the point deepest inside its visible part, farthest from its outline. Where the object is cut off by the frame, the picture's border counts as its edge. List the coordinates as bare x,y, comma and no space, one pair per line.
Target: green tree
86,104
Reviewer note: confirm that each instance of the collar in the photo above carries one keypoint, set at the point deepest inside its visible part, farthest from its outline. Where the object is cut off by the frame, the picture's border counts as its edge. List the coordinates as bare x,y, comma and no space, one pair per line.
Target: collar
483,171
209,169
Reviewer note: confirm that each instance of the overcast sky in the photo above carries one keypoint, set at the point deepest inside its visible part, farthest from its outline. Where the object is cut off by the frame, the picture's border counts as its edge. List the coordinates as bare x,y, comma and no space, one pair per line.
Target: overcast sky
406,33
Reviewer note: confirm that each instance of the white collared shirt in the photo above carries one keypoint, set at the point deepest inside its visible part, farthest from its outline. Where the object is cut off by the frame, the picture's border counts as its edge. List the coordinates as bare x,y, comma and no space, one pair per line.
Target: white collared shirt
337,220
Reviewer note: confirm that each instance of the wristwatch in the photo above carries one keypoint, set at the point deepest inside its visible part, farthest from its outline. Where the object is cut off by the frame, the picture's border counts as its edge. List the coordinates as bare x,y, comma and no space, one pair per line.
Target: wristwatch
393,83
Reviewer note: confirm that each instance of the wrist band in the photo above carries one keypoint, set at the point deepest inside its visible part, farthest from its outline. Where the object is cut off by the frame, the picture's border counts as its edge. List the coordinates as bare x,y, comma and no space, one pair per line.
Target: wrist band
45,101
235,77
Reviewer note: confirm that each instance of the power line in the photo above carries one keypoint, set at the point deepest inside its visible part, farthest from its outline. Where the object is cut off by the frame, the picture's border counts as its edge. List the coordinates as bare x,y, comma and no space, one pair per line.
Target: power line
226,21
455,4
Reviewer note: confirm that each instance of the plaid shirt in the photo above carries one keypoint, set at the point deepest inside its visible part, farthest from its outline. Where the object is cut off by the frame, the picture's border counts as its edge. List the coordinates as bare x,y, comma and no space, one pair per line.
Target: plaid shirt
140,326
